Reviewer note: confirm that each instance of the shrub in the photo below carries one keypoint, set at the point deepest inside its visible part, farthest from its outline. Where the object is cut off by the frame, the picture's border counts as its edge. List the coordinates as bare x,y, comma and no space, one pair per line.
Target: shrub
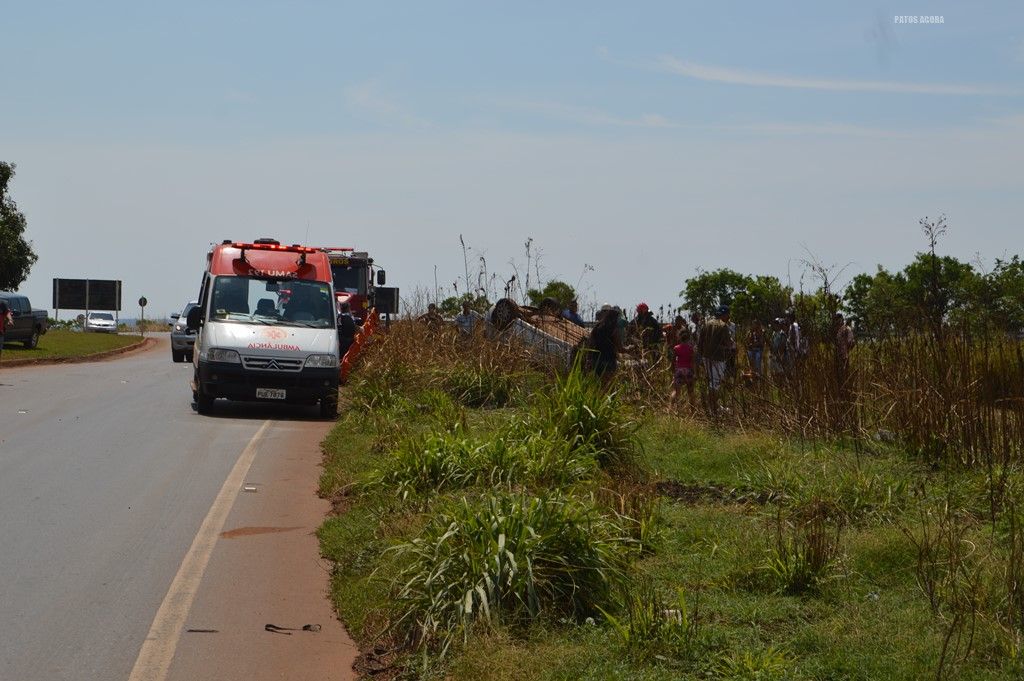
431,462
762,665
553,463
638,511
803,551
450,459
651,626
479,385
579,411
507,559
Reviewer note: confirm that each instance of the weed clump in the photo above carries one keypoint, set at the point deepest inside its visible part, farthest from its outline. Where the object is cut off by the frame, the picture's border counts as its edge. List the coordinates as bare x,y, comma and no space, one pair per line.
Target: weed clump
577,410
507,559
803,552
768,664
446,460
478,385
651,626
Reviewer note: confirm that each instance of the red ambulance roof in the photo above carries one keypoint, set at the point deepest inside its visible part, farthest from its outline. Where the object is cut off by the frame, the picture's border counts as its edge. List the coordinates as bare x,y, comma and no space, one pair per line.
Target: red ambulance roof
270,260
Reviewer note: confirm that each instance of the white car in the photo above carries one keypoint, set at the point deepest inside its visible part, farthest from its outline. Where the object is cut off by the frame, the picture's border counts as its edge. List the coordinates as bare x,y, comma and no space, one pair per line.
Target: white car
101,322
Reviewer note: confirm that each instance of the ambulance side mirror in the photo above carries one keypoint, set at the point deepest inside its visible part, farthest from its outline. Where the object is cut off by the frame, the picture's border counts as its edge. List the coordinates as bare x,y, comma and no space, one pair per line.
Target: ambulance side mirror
194,318
381,278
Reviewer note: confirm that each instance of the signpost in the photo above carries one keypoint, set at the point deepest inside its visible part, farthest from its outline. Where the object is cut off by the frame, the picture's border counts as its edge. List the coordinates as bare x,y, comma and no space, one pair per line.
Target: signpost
142,315
86,294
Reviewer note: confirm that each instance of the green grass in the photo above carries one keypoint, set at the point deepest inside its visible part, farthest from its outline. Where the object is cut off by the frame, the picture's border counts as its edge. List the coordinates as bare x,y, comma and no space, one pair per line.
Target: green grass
761,558
61,344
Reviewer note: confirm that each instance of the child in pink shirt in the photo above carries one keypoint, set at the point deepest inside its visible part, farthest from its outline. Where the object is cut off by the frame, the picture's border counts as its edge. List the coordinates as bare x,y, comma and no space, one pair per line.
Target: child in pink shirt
684,374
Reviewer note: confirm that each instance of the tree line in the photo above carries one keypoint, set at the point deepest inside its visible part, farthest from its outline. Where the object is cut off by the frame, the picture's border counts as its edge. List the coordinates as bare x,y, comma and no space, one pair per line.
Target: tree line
933,292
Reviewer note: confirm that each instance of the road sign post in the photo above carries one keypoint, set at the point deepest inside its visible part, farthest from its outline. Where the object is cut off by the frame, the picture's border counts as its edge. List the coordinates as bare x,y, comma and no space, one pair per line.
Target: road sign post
142,316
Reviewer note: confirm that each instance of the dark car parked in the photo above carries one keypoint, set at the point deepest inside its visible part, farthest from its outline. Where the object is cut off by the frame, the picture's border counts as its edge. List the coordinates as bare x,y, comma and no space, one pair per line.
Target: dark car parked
28,324
183,339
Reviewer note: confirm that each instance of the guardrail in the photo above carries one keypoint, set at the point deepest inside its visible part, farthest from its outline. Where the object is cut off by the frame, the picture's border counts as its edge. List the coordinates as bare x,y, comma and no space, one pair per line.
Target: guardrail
362,337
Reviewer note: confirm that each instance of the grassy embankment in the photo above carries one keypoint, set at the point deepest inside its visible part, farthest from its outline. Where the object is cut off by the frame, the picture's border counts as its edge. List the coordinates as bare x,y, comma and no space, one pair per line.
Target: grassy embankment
62,344
494,523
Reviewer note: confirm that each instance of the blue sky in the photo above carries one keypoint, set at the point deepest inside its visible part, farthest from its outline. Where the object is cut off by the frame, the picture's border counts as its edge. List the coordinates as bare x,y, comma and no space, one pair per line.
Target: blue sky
645,140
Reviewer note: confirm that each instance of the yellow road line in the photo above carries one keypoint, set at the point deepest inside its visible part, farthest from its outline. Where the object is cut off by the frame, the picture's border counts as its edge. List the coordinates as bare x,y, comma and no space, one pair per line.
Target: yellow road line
154,660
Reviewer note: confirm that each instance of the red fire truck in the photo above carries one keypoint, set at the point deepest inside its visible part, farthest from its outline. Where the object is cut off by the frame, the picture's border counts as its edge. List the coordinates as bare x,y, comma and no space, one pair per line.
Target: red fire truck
354,281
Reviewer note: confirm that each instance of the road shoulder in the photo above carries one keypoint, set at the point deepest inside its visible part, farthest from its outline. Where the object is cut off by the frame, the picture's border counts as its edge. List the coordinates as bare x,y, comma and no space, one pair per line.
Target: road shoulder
266,569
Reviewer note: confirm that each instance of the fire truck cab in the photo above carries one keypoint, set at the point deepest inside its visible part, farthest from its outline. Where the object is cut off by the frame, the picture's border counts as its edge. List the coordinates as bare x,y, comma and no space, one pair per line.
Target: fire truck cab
352,273
266,327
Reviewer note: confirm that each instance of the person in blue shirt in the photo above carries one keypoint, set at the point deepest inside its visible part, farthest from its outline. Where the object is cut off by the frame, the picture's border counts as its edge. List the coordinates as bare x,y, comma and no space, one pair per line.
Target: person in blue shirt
571,312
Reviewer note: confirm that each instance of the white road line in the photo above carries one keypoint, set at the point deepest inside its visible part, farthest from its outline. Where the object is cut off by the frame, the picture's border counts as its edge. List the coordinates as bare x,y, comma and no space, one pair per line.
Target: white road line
154,660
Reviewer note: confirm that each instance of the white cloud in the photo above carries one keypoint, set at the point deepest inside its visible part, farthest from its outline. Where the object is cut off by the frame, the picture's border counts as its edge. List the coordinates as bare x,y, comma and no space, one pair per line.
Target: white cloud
367,98
722,74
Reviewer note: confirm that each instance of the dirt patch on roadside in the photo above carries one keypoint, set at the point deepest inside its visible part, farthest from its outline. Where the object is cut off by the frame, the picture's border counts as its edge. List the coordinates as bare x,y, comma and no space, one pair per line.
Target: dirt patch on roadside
378,663
250,531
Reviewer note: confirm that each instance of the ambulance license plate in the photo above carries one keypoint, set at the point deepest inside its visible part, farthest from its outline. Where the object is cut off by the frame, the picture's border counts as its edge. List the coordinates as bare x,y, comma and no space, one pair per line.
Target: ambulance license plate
270,393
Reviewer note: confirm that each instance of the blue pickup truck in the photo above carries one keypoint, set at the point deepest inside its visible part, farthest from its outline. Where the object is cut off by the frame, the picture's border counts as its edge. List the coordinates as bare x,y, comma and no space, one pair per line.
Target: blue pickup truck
28,324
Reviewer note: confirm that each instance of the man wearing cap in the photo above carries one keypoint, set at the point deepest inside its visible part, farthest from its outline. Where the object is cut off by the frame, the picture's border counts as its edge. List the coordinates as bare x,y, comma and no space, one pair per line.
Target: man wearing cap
714,347
646,329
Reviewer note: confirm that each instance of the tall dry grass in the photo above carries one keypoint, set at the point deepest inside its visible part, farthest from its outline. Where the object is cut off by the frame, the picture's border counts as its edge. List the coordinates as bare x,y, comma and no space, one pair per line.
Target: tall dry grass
411,358
958,400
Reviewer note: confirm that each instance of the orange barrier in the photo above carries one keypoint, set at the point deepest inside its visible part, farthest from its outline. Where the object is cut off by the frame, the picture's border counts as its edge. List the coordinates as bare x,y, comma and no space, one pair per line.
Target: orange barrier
361,339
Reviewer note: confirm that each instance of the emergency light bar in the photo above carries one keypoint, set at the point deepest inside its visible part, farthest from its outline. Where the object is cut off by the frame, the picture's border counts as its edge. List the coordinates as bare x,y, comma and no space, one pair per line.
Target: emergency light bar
294,248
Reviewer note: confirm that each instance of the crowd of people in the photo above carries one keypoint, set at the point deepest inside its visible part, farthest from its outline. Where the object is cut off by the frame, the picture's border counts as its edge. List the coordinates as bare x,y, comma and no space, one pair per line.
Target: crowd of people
707,347
701,349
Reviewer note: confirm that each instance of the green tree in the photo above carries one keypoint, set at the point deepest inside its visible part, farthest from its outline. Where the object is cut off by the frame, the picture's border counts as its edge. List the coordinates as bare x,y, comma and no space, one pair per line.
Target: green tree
997,298
879,304
556,289
940,288
706,291
764,298
814,313
855,299
452,305
16,254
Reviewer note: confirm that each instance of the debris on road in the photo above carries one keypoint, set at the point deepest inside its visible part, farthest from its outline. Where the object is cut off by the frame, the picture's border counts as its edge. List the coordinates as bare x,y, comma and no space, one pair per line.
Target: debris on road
274,629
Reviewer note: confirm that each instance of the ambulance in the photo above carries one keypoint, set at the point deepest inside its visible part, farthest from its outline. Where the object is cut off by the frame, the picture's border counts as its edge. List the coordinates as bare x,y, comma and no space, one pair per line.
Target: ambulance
266,327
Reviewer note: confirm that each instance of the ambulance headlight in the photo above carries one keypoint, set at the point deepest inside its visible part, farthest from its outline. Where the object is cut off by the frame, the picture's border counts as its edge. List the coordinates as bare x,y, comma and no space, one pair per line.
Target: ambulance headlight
222,355
322,361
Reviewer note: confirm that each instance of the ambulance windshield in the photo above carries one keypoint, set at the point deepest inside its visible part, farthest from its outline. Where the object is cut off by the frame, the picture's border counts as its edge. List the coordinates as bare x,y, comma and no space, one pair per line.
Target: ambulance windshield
290,302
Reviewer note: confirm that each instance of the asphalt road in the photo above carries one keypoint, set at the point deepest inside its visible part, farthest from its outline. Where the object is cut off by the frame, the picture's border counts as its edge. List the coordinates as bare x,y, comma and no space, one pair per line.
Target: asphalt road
106,475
